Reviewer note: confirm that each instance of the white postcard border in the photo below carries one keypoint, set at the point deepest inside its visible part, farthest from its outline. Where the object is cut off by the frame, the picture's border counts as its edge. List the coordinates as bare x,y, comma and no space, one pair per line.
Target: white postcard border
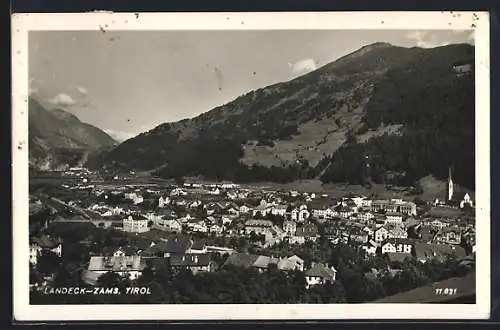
23,23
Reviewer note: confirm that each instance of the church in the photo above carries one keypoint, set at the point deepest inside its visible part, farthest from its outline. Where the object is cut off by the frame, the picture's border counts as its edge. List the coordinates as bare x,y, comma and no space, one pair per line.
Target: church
455,198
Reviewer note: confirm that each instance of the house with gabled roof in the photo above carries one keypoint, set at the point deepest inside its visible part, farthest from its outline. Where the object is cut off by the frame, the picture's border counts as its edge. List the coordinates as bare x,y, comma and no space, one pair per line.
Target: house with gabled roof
300,214
194,262
154,250
199,226
397,245
245,208
227,220
211,220
289,227
320,274
369,230
178,192
291,263
279,210
130,267
216,229
122,251
439,224
381,234
261,210
428,251
448,235
344,211
163,201
169,224
393,218
306,232
136,224
134,197
365,216
262,262
262,227
323,212
232,210
199,247
357,234
194,204
239,259
396,231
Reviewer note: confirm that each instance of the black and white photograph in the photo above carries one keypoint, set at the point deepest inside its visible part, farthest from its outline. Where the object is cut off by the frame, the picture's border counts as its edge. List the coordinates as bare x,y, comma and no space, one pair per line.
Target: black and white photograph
251,166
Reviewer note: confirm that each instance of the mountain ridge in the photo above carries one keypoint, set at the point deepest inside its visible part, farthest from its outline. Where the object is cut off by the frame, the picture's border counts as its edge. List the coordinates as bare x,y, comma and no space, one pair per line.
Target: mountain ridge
296,129
58,138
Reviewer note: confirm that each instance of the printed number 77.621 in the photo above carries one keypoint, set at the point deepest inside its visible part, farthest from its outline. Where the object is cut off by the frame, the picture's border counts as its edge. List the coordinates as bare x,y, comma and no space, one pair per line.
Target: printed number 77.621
446,291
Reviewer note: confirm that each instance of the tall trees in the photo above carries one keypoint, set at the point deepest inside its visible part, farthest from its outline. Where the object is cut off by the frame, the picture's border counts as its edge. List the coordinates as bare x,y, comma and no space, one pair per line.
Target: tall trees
48,263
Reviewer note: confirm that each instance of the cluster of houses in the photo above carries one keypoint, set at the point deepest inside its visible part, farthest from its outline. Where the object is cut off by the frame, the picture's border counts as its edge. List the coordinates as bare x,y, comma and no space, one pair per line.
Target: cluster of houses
317,274
389,227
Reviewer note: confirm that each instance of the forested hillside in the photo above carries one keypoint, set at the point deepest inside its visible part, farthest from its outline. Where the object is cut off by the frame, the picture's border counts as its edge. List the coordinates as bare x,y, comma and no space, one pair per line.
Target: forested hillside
381,113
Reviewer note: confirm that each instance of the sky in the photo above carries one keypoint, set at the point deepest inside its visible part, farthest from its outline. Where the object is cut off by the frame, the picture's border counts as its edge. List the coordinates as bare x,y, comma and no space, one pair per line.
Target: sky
127,82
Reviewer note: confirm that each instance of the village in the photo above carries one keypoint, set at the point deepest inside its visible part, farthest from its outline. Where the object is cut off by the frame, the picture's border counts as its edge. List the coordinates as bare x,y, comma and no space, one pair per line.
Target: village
204,228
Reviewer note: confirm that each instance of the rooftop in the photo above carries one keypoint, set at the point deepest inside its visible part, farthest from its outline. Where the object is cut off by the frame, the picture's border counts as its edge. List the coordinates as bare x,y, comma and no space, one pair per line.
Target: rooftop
189,260
259,223
125,263
241,259
320,270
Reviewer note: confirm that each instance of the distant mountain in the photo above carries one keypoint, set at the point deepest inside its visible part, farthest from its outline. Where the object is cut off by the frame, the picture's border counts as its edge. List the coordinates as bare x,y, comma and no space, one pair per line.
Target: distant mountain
58,138
381,113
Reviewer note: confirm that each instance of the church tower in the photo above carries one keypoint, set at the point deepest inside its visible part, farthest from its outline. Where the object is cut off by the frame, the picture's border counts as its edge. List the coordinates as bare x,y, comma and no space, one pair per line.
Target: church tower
449,196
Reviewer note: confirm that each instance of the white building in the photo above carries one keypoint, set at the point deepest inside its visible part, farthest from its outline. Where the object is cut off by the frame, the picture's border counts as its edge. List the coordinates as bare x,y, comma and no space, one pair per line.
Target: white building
279,210
172,225
216,229
320,274
360,201
130,267
365,216
153,216
291,263
259,227
244,209
396,246
162,202
324,213
261,210
394,218
289,227
199,226
381,234
215,191
226,220
178,192
136,198
466,201
138,225
300,214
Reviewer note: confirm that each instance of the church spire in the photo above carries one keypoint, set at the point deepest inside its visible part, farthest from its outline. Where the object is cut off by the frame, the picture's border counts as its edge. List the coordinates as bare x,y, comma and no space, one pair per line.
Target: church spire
450,186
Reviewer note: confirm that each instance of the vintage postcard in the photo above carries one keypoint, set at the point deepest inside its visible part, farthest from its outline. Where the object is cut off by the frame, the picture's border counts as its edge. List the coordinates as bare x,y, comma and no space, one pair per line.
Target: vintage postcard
240,166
